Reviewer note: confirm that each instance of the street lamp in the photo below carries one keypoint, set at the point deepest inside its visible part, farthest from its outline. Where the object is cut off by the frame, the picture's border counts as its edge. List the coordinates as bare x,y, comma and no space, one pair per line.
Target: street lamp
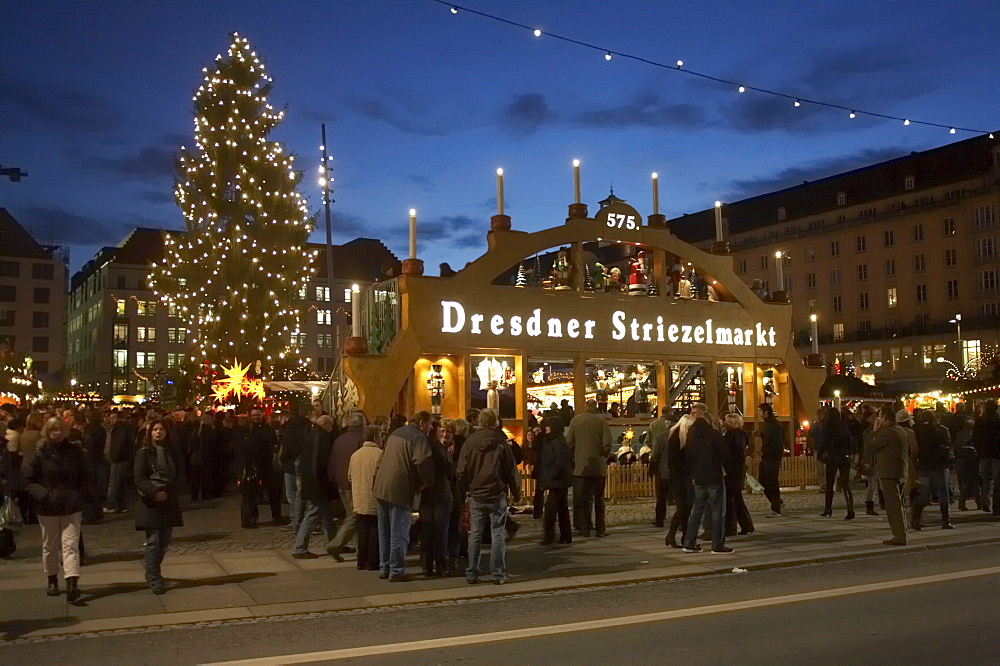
961,352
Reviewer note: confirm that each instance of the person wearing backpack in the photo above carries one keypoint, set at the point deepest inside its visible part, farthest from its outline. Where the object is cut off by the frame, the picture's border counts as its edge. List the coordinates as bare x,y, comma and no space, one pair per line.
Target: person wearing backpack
934,457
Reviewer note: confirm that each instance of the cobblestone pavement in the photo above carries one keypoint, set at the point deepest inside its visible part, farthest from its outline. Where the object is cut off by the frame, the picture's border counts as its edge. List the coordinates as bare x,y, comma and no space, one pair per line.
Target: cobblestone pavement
214,526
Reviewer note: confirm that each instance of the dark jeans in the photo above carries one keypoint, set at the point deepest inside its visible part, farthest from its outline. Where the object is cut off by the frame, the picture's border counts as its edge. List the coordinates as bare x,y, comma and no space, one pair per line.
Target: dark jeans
557,505
589,491
662,488
737,513
989,476
768,477
683,494
117,483
317,514
713,499
842,466
92,505
367,542
156,547
434,519
196,482
932,482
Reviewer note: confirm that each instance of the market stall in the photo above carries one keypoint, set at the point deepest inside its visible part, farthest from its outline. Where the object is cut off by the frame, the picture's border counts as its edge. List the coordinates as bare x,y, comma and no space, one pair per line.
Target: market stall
672,326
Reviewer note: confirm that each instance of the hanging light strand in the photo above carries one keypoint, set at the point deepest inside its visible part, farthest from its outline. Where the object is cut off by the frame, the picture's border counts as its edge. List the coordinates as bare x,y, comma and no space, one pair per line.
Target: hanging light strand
678,67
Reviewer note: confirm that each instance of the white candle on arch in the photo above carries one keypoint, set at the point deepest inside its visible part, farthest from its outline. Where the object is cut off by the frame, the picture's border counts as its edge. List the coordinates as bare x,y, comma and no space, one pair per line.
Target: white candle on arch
656,194
576,181
718,221
413,233
499,191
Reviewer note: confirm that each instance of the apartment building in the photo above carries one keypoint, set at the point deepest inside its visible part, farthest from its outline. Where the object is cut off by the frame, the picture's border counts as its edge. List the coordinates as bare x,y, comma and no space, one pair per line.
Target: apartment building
32,300
898,260
122,341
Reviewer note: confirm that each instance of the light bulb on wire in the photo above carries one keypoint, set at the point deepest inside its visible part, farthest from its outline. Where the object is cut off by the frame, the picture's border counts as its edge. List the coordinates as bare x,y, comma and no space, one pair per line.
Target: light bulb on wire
607,55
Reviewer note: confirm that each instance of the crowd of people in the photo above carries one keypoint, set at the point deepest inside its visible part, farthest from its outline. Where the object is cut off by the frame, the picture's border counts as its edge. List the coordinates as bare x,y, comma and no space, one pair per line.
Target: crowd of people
363,480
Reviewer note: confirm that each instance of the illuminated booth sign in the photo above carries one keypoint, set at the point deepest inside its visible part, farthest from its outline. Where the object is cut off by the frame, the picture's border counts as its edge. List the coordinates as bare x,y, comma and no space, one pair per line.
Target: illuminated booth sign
620,327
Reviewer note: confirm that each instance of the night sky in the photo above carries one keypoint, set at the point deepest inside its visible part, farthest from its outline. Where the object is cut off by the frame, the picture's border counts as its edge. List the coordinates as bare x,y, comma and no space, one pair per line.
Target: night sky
423,105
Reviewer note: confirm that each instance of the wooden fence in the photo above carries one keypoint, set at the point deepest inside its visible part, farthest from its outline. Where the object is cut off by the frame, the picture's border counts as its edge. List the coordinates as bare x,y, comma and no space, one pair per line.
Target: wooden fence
635,481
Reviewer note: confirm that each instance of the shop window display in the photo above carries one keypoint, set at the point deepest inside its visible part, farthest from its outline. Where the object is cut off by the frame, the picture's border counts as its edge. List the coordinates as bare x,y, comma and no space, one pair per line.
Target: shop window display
549,383
622,389
494,383
731,391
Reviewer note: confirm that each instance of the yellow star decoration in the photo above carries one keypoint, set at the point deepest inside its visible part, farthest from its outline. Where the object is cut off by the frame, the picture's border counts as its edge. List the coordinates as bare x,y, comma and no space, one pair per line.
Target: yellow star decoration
237,384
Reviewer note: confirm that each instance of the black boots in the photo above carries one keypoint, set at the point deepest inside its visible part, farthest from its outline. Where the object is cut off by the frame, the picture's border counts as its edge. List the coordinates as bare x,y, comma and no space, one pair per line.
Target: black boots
915,522
53,590
850,512
72,591
870,509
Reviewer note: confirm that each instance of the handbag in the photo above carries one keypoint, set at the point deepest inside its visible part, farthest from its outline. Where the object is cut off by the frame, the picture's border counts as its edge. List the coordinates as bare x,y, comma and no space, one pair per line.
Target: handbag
159,478
865,468
10,514
465,520
7,544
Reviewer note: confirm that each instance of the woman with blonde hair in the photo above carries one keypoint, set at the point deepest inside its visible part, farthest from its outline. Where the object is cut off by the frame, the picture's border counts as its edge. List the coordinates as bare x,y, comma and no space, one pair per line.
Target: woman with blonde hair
737,441
680,480
58,482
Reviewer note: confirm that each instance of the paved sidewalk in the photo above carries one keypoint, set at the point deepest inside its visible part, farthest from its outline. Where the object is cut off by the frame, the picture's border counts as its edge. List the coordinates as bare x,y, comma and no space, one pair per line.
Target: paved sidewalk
235,584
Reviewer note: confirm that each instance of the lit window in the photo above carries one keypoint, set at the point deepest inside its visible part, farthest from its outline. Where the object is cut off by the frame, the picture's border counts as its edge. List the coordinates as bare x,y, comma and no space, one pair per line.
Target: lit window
838,332
892,300
323,317
909,183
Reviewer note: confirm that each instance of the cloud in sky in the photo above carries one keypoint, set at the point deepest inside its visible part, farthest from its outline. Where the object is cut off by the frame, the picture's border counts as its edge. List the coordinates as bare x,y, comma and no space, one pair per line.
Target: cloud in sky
742,189
150,163
58,107
65,227
645,110
404,120
526,114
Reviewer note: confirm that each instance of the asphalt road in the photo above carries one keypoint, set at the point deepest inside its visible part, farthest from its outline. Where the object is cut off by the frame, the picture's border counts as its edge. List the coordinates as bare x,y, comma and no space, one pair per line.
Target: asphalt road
954,620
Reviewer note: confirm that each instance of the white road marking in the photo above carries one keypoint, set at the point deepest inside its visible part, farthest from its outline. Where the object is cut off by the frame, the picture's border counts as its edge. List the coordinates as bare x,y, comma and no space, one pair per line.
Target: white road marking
604,623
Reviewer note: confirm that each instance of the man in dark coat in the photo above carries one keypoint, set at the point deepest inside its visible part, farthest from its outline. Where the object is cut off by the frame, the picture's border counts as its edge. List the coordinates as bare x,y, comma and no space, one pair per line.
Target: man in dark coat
263,443
316,489
705,455
555,476
336,474
93,446
296,431
121,447
772,449
934,457
986,439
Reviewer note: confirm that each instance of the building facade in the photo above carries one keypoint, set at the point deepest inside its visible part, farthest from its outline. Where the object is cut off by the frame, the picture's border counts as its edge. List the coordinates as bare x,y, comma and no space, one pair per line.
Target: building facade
123,342
32,300
898,261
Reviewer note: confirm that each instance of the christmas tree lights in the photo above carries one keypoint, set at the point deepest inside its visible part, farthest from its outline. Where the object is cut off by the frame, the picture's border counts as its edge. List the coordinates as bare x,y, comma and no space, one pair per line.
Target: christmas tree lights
236,274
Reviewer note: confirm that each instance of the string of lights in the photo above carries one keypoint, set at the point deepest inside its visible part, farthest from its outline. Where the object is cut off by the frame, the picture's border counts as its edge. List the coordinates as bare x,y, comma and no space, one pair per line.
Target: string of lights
796,100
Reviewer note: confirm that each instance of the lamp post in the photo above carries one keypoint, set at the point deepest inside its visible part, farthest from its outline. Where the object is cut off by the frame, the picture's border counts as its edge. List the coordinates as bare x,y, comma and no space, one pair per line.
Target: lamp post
814,333
961,352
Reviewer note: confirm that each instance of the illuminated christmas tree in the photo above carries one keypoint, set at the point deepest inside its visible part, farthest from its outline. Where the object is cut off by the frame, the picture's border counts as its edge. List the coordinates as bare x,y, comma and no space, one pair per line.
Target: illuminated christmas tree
521,279
236,274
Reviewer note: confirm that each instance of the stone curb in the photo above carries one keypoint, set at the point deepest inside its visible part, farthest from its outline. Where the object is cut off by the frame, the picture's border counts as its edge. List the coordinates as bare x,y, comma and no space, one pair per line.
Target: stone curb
717,565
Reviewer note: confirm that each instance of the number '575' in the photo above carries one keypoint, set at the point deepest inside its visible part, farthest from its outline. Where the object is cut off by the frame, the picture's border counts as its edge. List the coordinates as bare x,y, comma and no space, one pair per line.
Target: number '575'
619,220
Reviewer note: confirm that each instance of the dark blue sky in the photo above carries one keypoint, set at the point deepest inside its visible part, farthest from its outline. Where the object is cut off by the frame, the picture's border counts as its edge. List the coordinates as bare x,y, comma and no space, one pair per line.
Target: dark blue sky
422,105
